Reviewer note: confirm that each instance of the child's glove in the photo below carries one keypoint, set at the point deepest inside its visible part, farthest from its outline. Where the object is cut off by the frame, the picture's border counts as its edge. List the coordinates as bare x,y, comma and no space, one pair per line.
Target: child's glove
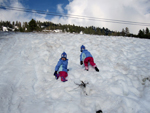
81,62
55,73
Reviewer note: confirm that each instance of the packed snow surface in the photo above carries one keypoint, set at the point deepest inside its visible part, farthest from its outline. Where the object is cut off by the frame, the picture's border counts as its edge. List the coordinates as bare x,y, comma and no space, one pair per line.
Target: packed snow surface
27,64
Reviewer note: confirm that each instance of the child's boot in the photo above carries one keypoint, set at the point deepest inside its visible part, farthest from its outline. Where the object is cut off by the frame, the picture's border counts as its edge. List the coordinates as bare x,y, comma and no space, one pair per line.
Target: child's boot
63,79
96,69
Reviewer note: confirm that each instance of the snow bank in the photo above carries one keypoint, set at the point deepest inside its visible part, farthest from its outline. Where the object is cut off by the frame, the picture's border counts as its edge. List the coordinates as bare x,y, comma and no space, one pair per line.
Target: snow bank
5,29
27,84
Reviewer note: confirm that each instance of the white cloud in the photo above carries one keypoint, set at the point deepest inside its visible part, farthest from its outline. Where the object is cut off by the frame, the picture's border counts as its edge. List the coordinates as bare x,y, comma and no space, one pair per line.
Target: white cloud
60,9
13,15
128,10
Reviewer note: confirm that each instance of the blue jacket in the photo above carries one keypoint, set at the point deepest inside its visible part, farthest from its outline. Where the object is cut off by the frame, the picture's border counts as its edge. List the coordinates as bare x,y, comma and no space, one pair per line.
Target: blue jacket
61,65
85,53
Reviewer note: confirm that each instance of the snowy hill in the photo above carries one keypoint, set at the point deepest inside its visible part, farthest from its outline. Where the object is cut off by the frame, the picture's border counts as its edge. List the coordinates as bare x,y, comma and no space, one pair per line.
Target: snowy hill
27,84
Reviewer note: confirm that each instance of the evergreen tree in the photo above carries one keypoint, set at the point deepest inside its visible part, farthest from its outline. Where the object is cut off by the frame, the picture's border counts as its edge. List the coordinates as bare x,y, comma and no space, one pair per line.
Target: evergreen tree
127,31
21,29
123,32
147,31
16,23
144,32
141,34
32,25
19,24
13,23
103,32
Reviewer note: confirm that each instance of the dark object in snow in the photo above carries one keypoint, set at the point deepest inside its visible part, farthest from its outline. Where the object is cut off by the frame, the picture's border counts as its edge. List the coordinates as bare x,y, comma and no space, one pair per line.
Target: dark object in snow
82,85
67,69
99,111
96,69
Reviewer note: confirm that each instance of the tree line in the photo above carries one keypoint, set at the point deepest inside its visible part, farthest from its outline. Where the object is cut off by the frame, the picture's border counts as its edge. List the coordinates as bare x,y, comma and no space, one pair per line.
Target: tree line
39,26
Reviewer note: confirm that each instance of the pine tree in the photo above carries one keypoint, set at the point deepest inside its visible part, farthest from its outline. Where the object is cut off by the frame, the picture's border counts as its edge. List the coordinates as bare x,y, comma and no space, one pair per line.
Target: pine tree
123,32
127,31
140,34
13,23
147,31
32,25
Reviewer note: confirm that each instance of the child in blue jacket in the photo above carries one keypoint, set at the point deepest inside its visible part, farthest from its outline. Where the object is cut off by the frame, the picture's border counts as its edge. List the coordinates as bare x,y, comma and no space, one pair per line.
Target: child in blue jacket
87,57
61,68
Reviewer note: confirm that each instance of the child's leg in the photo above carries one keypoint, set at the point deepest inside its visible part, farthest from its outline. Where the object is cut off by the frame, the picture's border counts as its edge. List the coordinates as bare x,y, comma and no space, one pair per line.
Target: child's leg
57,76
91,60
86,60
93,64
63,75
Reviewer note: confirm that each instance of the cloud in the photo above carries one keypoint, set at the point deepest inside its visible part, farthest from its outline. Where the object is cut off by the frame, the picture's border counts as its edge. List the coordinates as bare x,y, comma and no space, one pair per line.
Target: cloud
18,15
127,10
60,9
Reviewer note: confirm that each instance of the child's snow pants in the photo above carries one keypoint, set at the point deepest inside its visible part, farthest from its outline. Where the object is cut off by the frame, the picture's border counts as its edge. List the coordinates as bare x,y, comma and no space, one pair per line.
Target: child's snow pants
63,75
91,60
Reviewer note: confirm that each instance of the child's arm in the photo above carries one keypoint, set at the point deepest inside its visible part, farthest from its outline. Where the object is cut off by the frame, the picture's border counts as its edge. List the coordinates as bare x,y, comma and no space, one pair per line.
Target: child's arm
58,65
67,66
81,62
81,57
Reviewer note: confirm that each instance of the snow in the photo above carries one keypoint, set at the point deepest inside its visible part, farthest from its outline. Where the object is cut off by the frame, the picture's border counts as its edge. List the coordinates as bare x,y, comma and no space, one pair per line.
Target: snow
16,27
57,31
81,32
5,29
28,60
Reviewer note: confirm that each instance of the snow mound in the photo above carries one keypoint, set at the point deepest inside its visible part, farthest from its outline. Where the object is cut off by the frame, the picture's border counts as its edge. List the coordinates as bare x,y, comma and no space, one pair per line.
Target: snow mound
27,84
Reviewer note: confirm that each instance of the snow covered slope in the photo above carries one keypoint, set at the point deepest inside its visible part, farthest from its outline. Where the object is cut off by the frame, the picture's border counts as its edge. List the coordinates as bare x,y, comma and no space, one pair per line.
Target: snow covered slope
27,84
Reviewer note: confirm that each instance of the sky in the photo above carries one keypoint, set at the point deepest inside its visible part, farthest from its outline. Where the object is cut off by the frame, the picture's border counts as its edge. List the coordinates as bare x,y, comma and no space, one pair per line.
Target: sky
128,10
